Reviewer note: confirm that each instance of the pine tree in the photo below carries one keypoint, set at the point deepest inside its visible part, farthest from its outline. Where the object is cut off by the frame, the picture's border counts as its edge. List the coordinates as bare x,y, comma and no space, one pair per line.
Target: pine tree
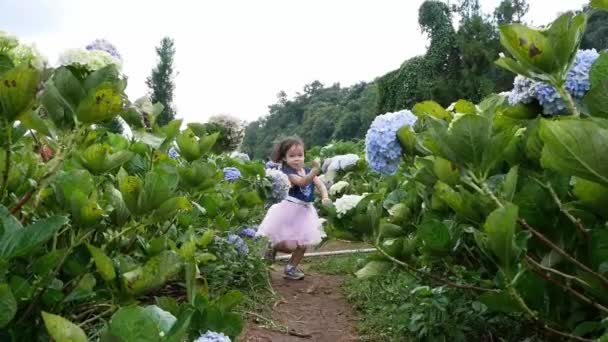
160,82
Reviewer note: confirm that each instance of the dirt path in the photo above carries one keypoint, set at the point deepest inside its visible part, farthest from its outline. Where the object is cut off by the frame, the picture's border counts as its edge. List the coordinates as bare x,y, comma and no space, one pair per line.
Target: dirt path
311,309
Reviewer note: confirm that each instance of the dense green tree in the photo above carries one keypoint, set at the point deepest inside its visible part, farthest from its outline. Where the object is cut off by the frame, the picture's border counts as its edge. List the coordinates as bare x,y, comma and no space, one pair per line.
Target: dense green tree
160,82
511,11
596,35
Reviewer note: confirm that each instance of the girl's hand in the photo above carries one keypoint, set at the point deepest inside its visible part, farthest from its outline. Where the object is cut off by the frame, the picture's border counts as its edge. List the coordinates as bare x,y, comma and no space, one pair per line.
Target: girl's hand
316,164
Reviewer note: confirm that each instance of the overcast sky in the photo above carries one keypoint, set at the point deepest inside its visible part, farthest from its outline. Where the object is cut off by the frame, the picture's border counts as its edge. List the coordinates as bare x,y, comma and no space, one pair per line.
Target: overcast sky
235,56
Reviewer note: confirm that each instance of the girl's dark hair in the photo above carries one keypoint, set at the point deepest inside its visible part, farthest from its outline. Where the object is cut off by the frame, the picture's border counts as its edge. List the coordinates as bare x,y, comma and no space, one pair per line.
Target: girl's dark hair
280,149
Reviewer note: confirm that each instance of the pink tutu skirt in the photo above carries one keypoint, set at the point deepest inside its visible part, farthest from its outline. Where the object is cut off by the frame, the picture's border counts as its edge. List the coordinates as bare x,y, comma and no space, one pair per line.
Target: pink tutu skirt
293,222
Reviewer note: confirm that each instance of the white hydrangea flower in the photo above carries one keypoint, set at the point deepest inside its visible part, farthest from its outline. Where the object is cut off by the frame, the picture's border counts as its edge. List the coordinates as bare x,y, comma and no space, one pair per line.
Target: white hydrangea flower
234,126
92,60
332,165
347,203
338,188
28,54
240,155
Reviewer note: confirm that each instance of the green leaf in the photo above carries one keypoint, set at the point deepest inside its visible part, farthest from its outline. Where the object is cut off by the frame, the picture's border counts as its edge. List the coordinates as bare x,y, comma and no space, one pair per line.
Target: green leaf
83,290
101,104
159,186
107,74
188,145
18,88
8,305
229,300
598,248
389,230
21,289
461,201
104,264
69,88
207,142
407,138
510,184
597,99
63,330
592,195
599,70
431,108
164,320
120,213
249,199
23,241
130,188
6,64
133,324
500,227
180,328
374,269
501,302
466,140
600,4
31,120
465,107
171,207
530,47
156,272
576,147
133,118
435,235
446,171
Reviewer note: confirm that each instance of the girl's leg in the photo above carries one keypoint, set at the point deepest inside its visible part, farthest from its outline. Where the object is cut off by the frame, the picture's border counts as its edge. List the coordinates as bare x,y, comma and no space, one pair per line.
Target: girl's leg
297,256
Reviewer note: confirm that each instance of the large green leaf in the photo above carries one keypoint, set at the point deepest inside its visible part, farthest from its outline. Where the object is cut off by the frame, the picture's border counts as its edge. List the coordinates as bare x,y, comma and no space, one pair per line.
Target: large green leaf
592,195
600,4
188,145
597,99
180,328
530,47
133,324
130,188
435,235
159,186
598,249
599,70
104,264
6,63
461,201
107,74
576,147
171,207
208,142
31,120
69,87
119,212
374,269
431,108
100,104
500,228
98,158
156,272
23,241
18,88
8,305
63,330
501,302
83,290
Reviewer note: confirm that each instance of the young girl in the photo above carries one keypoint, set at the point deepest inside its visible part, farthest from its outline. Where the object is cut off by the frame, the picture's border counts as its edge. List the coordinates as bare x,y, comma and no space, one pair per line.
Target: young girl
293,224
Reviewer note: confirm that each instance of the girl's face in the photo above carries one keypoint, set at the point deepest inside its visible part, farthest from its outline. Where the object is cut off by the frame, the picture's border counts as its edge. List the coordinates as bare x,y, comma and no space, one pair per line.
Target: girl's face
295,157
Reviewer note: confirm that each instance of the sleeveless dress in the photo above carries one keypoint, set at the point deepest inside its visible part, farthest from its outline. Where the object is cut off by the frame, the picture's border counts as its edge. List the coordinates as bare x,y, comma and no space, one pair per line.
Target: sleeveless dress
294,219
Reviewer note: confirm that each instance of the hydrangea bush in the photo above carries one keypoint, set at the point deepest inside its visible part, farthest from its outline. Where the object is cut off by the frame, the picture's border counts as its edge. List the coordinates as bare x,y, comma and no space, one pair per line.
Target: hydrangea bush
280,185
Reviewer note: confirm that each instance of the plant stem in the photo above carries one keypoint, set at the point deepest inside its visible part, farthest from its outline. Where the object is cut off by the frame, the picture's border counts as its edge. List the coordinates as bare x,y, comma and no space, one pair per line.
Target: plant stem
554,271
563,93
577,223
563,253
566,287
7,159
434,277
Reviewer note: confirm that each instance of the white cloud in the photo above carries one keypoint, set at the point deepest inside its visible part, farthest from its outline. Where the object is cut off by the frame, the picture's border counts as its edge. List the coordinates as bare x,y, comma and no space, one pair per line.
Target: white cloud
235,56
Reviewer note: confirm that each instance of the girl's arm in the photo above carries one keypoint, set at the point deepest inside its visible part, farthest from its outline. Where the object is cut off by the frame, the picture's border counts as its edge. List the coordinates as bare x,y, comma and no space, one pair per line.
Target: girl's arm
322,189
304,180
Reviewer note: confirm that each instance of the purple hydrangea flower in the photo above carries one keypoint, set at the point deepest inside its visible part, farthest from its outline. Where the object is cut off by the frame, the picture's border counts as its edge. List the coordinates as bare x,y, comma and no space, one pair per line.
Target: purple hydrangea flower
238,243
231,174
173,154
382,148
249,232
104,45
211,336
272,165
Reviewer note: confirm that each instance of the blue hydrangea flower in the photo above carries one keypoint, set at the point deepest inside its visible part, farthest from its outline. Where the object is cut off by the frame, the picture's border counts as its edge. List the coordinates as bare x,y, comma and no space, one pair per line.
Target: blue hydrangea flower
382,148
522,91
173,154
211,336
104,45
272,165
231,174
238,243
577,84
249,232
280,185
